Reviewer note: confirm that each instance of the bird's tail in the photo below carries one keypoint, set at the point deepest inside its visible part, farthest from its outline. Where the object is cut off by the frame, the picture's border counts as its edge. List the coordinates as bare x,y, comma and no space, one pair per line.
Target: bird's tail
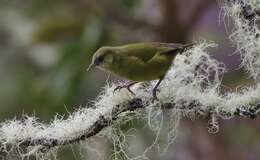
179,50
188,45
185,47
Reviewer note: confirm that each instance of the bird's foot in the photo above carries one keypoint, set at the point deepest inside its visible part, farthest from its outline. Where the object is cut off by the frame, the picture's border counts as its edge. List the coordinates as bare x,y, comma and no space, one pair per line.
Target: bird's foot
127,86
155,98
155,89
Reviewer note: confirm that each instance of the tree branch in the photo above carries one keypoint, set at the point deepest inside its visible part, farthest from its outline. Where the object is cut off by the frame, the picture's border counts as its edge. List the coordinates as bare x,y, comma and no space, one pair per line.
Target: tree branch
100,124
134,104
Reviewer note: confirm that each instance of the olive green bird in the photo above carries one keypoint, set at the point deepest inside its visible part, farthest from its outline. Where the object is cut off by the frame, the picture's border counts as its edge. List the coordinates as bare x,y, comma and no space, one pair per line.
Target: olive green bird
138,62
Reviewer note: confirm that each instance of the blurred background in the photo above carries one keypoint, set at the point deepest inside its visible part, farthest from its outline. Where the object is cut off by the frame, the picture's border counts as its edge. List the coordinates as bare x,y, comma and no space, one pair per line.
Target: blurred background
46,46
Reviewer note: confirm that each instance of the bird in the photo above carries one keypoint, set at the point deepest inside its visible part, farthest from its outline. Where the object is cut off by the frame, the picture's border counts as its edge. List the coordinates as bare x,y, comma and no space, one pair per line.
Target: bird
138,62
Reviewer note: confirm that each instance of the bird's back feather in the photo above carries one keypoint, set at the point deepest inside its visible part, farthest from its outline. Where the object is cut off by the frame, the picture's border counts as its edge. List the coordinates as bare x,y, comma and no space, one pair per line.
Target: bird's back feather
146,51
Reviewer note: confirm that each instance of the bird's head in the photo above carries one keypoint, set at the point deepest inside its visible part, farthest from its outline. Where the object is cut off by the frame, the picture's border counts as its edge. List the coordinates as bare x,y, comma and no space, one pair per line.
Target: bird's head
103,58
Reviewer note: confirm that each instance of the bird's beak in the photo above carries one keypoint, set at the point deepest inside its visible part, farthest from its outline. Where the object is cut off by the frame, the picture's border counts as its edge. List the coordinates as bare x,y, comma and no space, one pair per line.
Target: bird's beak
90,66
94,63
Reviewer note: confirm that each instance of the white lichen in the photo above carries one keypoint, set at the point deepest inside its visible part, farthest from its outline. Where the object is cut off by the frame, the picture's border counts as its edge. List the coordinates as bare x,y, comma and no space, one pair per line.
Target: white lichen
14,132
246,33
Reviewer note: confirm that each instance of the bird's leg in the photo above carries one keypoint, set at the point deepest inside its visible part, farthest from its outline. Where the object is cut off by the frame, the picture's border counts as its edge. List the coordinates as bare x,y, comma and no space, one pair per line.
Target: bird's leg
127,86
155,89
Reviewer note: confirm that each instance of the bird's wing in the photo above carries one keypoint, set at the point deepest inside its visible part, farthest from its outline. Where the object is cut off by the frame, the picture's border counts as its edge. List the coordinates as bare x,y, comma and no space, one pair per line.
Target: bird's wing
167,45
141,51
175,48
146,51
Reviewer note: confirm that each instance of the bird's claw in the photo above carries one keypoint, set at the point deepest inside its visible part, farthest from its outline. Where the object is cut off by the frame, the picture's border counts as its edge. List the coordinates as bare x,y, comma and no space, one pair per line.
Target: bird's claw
118,88
155,98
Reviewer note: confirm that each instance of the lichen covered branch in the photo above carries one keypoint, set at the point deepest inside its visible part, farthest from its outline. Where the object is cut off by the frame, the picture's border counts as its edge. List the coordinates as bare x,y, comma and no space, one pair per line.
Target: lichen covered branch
246,17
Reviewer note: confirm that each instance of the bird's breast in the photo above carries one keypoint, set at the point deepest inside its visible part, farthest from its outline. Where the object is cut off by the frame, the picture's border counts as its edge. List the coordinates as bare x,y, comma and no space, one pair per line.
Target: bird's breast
136,70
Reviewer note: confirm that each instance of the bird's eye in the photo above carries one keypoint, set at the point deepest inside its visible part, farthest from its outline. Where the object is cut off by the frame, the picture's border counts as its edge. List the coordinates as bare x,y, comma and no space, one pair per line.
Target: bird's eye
99,60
